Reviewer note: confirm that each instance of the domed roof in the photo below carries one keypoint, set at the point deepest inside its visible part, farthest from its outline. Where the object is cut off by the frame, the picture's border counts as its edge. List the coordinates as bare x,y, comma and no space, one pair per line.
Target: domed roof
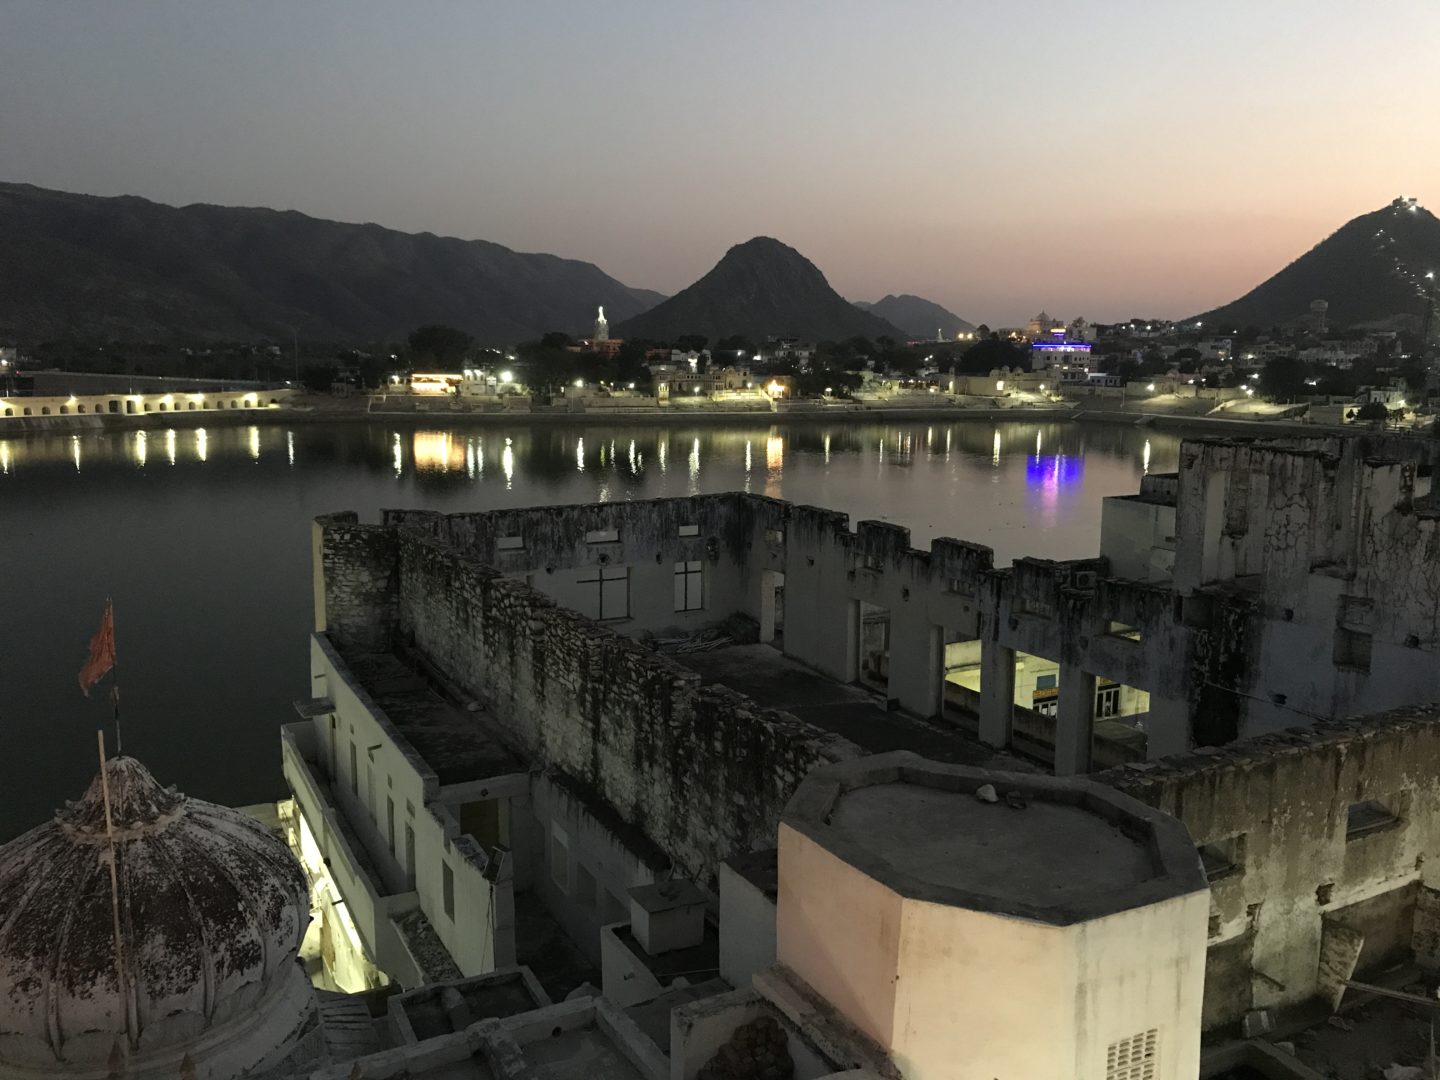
211,910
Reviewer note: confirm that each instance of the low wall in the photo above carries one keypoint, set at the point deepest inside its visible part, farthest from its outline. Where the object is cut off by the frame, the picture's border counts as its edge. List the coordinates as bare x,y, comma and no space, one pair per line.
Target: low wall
1278,808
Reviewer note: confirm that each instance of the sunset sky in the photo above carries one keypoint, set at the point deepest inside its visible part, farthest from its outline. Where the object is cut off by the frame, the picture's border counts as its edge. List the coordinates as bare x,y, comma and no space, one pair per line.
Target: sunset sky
1102,158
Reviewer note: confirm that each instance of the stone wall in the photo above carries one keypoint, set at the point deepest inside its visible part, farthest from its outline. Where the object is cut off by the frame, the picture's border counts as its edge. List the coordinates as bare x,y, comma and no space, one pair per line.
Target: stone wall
702,772
1278,807
355,584
735,538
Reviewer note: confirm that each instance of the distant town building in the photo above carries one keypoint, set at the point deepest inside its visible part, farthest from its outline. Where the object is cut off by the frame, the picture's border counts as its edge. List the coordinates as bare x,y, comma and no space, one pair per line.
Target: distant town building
1042,326
1318,321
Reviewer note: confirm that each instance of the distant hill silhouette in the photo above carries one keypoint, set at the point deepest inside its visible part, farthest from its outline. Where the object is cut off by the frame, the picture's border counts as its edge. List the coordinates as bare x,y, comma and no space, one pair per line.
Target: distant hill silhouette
761,288
1371,271
918,317
129,269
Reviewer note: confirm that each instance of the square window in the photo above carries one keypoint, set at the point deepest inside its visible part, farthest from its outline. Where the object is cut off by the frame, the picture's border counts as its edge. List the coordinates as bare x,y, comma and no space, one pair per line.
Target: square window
447,890
1366,817
689,530
607,589
602,536
689,586
1123,630
1107,702
1222,858
509,543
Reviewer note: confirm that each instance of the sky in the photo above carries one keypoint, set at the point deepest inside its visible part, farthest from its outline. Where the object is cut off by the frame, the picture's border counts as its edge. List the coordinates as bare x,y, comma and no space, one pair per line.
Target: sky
1106,158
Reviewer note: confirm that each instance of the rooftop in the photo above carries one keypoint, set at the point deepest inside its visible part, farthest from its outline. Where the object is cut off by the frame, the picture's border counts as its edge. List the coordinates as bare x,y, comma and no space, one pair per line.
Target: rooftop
458,746
770,678
1056,850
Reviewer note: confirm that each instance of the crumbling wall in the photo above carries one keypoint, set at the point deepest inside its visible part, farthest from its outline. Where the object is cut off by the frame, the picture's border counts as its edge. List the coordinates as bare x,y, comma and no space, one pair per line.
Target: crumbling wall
703,772
1278,807
355,582
734,537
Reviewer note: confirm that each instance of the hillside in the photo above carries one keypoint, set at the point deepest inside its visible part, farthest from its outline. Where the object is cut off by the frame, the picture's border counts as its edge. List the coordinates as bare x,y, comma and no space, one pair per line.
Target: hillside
1371,271
129,269
918,317
760,289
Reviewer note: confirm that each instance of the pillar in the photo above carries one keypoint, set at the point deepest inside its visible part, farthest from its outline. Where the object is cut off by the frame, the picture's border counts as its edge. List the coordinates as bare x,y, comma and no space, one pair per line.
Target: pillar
917,662
997,693
1167,727
1075,721
767,605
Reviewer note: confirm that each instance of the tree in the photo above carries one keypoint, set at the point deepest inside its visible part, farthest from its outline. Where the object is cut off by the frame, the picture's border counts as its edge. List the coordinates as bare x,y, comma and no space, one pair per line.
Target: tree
985,356
737,343
555,339
319,378
1283,378
692,342
1373,412
1185,356
441,345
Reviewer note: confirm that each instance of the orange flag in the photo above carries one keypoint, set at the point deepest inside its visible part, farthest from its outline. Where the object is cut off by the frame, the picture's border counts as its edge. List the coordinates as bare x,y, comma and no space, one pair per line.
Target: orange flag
102,653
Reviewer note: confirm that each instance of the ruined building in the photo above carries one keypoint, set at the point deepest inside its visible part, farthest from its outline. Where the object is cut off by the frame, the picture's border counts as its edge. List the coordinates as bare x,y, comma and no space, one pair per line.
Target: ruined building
584,725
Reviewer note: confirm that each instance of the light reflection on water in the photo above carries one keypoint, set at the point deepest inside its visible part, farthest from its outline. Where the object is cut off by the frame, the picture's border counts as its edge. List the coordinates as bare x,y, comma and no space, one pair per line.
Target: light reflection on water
209,560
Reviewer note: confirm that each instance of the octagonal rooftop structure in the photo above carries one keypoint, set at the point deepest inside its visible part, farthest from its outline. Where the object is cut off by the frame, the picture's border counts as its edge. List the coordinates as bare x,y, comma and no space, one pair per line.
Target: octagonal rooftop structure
1058,850
950,913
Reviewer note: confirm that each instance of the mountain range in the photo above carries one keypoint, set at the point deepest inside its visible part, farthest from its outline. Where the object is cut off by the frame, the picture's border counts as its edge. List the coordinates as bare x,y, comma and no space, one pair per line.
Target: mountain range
760,289
126,268
1371,271
918,317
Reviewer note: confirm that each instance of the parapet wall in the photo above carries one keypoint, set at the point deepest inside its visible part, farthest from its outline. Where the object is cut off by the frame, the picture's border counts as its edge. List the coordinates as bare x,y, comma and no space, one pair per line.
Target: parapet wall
703,772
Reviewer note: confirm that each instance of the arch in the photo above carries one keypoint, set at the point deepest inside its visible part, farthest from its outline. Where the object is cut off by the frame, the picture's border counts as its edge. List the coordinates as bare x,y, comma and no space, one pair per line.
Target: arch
64,410
45,410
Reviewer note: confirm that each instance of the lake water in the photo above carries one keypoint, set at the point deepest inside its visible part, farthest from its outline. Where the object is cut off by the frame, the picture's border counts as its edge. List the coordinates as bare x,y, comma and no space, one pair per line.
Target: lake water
203,540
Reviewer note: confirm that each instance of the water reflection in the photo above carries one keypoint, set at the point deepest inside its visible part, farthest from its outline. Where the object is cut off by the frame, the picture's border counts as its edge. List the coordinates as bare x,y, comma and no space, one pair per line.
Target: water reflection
233,508
595,457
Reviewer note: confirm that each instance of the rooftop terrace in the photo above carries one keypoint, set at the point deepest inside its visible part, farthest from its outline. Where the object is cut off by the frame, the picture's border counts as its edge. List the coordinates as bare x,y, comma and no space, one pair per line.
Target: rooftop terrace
457,745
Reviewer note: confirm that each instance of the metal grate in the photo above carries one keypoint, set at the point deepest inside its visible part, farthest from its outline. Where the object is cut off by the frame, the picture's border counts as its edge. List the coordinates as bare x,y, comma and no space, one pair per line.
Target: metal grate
1134,1058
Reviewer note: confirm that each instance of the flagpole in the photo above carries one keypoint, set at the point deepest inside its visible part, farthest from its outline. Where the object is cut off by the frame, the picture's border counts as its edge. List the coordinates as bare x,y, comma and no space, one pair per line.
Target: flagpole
124,995
114,676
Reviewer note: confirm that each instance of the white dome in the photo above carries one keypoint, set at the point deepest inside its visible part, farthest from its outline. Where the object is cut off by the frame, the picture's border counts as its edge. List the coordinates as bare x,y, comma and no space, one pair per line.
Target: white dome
212,911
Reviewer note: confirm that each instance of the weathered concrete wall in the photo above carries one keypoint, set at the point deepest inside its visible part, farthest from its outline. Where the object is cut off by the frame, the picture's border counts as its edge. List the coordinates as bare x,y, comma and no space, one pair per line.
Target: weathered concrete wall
704,773
1339,568
555,548
1278,805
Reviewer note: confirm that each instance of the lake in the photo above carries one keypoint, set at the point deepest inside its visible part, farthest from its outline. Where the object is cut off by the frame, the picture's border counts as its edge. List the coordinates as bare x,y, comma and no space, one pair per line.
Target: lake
202,538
